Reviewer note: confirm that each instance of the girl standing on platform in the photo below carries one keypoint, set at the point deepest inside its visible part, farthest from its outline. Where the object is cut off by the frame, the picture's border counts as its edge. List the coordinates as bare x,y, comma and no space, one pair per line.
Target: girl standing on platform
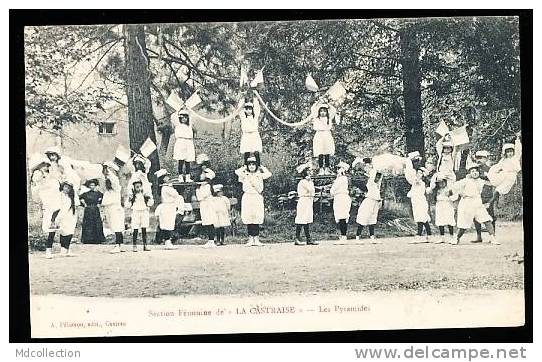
112,204
166,212
323,144
444,206
92,230
222,207
341,199
418,199
251,142
184,151
252,202
204,194
304,210
447,153
368,210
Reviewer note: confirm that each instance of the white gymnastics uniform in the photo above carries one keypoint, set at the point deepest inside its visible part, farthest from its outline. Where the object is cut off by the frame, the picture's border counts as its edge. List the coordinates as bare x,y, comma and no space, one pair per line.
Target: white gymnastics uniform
47,192
206,204
470,206
184,140
250,137
304,209
420,207
140,210
167,210
222,207
252,203
111,202
322,142
503,175
446,163
444,208
368,210
67,218
341,198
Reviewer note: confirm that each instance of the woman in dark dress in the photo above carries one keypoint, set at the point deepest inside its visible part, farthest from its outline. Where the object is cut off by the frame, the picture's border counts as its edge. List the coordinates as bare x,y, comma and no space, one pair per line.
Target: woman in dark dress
92,232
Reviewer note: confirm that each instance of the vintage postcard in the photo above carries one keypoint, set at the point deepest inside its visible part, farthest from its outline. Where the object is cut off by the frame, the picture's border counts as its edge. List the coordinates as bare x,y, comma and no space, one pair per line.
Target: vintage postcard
278,176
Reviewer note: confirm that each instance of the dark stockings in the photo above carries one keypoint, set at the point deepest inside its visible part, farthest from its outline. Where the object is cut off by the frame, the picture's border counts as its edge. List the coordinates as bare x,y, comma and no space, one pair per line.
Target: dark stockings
65,241
183,164
343,227
371,230
50,240
220,235
323,161
253,229
305,228
450,230
118,238
421,226
143,236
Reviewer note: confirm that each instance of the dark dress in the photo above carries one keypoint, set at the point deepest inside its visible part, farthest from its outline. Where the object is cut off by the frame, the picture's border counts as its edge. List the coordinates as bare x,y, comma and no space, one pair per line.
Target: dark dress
93,231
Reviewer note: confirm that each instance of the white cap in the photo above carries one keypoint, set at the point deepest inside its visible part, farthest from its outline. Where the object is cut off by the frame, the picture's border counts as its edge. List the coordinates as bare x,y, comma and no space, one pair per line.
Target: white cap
218,187
37,160
202,157
209,174
112,165
413,155
343,165
251,159
323,105
53,149
249,104
161,172
302,167
447,144
482,153
507,146
183,111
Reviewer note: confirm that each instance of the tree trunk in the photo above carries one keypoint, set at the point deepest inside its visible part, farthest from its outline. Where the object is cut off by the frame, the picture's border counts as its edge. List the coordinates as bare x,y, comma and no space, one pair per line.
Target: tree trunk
412,96
138,91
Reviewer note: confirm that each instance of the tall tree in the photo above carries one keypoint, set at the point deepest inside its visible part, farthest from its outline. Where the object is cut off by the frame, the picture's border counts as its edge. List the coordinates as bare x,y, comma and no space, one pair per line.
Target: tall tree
138,91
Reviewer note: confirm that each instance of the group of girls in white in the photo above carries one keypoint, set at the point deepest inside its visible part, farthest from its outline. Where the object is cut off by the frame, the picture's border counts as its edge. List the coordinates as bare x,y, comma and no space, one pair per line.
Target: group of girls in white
56,185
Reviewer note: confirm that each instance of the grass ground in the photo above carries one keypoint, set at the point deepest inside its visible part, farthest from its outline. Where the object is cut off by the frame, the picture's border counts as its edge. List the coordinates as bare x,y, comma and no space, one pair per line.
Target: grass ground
282,268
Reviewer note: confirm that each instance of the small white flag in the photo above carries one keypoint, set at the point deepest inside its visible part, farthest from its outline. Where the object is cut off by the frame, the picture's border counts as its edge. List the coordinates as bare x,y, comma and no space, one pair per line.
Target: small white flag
122,154
174,101
310,83
193,100
460,136
337,92
258,79
243,79
147,147
442,129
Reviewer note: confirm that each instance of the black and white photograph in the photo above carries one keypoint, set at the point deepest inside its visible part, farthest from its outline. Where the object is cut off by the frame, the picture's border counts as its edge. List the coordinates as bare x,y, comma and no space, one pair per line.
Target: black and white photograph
202,178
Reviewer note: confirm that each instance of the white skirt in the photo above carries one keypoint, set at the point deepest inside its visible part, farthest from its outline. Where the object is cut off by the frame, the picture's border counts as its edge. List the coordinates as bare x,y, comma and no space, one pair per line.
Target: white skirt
323,143
67,223
166,213
184,150
420,209
368,212
251,142
114,215
252,209
304,211
140,219
341,207
471,209
207,211
444,213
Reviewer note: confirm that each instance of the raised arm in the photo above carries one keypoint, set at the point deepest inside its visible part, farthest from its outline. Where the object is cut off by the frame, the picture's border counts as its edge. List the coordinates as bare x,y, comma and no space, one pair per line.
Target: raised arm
265,172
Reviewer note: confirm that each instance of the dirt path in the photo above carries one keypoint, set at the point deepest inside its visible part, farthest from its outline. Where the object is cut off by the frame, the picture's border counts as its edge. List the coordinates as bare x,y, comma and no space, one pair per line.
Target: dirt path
282,269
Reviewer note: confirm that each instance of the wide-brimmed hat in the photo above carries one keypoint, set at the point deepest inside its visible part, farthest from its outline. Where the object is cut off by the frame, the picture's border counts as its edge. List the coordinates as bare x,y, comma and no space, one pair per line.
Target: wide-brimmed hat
201,158
91,181
482,153
343,165
37,161
161,173
112,165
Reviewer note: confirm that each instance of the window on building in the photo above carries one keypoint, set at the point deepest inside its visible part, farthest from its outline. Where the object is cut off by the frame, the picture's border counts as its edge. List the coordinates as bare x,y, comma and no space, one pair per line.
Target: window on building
106,128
